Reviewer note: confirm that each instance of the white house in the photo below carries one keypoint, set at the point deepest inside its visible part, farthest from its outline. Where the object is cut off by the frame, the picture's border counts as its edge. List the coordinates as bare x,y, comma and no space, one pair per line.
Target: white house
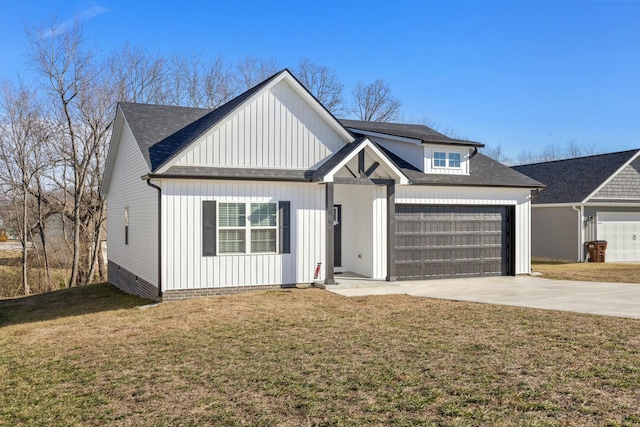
270,189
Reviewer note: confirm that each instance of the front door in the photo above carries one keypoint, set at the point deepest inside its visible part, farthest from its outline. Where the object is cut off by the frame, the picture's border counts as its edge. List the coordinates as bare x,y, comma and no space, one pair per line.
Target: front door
337,235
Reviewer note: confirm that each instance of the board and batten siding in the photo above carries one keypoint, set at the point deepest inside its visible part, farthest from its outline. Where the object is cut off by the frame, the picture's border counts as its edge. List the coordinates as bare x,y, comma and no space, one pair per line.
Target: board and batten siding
278,129
480,196
412,153
185,267
554,232
364,229
140,255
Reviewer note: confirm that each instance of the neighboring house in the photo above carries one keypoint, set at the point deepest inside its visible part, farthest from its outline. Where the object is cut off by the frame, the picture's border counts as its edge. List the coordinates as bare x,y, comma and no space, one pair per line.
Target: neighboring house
586,199
270,189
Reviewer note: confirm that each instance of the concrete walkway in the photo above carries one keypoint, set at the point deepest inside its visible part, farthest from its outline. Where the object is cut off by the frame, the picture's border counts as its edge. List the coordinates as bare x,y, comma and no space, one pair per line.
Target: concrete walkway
607,299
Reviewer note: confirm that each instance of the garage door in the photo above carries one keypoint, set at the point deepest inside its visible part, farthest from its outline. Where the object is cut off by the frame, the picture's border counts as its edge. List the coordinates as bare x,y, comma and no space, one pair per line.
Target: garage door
447,241
621,230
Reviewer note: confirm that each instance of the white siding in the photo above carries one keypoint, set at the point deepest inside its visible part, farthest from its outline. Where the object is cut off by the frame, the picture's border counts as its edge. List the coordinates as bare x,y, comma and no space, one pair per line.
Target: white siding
278,129
140,256
412,153
555,232
364,229
428,160
520,198
184,267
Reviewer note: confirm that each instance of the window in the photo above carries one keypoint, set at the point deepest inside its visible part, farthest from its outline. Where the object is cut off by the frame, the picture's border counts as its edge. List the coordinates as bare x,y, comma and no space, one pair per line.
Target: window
264,225
259,228
232,237
454,160
439,159
126,225
246,228
444,160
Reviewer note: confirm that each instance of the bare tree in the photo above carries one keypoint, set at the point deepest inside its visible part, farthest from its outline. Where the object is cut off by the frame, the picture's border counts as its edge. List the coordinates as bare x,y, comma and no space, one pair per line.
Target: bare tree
551,152
22,139
496,152
201,83
323,83
251,71
139,75
68,70
374,102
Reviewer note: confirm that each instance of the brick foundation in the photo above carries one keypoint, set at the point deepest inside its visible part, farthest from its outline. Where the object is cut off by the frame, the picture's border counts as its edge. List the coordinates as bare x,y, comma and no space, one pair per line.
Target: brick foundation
181,294
130,283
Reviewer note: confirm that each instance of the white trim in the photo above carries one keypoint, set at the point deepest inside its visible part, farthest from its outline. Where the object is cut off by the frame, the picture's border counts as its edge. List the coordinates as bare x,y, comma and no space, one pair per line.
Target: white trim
587,204
328,177
606,181
386,135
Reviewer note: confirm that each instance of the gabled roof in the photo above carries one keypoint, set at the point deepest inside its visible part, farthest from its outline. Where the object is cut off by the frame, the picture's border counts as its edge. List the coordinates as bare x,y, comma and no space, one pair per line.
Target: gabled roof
483,172
418,132
163,131
574,180
326,171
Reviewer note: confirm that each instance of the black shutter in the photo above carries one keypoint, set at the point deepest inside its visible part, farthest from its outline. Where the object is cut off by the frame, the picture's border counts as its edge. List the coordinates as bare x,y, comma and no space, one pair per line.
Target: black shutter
284,227
209,228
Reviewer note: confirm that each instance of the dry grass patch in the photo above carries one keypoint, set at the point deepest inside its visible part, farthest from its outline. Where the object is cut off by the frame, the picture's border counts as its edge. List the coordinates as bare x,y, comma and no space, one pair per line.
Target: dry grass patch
587,271
88,356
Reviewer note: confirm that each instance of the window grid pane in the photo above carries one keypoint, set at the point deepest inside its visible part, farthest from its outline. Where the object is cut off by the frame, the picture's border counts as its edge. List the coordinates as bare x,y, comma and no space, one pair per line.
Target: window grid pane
454,160
232,241
232,214
440,159
263,214
263,240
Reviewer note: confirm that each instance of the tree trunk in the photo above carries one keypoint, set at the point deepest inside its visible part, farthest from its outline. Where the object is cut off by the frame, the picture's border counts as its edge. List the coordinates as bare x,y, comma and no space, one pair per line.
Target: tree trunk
25,281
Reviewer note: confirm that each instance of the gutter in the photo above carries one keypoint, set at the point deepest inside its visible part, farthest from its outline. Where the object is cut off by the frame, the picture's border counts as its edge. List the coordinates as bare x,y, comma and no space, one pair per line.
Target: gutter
580,236
148,179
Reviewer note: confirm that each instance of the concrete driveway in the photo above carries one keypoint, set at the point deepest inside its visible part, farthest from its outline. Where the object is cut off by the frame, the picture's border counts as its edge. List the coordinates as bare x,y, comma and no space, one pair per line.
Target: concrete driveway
607,299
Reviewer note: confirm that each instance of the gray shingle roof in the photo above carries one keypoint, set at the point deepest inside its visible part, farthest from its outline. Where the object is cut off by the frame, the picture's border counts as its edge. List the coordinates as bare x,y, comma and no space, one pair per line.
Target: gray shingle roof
483,172
163,131
421,132
573,180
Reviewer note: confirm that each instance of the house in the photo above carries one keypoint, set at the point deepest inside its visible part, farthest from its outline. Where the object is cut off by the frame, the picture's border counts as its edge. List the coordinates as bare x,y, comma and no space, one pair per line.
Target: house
270,189
586,199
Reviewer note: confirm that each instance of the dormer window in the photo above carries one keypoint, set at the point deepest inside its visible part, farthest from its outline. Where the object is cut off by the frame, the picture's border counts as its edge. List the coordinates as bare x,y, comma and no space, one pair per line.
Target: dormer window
440,160
446,160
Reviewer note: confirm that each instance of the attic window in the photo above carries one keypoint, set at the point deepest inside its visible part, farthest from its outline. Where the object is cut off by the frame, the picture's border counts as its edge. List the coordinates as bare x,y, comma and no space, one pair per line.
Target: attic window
446,160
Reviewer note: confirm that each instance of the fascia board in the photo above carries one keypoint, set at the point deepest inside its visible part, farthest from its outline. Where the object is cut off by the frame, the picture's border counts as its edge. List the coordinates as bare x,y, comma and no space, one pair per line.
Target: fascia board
613,175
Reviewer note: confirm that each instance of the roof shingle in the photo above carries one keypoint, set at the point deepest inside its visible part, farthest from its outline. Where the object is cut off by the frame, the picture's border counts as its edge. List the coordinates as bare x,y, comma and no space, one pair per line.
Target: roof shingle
573,180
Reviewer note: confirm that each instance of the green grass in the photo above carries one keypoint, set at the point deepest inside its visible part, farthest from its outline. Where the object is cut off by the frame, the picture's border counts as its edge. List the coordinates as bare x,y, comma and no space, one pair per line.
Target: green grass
89,356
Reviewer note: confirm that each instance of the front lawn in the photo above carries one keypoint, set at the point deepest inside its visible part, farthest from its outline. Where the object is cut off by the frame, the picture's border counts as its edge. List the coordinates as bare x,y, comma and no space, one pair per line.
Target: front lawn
587,271
90,356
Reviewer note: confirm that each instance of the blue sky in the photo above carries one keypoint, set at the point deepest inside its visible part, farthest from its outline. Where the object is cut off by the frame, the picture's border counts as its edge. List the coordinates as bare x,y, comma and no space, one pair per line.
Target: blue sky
522,74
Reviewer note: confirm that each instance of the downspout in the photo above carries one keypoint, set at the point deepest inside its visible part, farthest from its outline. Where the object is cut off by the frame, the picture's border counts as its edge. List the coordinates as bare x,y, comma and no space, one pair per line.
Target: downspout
159,235
580,236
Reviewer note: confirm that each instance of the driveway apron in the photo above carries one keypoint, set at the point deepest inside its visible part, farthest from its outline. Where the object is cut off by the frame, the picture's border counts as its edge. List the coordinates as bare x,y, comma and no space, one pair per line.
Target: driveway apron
607,299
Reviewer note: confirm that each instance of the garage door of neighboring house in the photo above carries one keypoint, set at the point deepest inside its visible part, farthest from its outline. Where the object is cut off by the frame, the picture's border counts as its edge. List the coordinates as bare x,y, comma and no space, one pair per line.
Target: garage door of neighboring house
621,230
453,241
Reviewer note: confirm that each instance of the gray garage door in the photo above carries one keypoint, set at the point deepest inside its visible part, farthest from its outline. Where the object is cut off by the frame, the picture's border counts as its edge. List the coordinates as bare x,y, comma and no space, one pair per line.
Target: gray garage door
452,241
